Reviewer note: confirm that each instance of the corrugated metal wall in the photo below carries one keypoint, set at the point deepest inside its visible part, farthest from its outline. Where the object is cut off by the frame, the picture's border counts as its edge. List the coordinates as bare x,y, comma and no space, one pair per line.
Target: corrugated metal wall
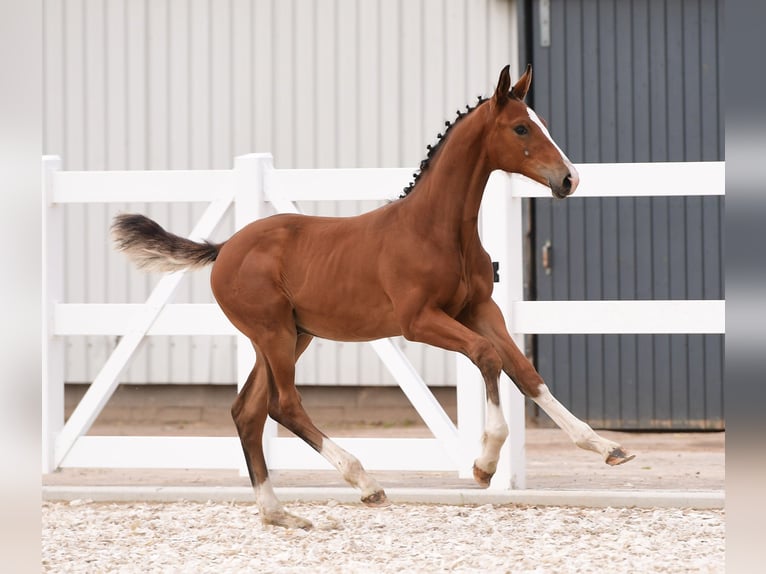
189,84
633,82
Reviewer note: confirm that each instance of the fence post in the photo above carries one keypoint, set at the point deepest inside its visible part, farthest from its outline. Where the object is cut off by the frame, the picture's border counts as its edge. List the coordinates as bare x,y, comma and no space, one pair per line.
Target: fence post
503,237
251,172
53,292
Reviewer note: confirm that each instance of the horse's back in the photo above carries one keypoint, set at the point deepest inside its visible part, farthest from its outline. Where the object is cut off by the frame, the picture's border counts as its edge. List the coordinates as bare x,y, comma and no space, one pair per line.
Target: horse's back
324,270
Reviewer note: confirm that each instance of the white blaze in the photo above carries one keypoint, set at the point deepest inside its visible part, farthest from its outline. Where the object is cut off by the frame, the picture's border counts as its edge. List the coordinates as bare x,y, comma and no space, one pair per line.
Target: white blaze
535,118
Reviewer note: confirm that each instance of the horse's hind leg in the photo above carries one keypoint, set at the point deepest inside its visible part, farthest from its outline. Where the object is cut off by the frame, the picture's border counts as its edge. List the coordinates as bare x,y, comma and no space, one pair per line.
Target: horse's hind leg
285,407
249,414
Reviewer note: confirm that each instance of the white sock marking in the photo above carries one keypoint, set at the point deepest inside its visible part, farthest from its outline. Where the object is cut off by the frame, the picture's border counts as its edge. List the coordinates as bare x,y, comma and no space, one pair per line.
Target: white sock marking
495,433
267,500
350,467
579,431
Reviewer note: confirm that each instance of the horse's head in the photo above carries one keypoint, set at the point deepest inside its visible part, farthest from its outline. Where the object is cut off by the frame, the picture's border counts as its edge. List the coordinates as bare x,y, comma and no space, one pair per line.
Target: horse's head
519,142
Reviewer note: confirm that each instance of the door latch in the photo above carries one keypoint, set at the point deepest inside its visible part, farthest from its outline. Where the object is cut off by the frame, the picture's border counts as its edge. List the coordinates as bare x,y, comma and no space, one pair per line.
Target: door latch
547,256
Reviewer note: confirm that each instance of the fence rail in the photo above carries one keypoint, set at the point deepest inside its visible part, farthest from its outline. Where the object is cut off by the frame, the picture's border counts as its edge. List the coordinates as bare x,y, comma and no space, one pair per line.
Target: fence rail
141,186
256,189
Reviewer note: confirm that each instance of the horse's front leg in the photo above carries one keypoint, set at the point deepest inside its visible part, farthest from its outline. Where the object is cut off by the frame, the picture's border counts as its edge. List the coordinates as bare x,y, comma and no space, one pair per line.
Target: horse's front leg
487,320
495,433
434,327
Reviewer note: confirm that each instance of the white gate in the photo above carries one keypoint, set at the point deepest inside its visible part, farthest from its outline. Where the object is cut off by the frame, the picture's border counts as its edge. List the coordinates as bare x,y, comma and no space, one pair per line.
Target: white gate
255,189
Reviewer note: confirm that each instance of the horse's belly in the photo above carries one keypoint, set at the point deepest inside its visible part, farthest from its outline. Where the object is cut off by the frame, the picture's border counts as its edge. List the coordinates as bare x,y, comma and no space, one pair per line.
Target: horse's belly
343,324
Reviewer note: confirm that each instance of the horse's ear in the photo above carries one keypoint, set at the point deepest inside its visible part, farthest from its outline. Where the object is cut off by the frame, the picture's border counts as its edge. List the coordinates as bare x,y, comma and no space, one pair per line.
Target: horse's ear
521,87
503,85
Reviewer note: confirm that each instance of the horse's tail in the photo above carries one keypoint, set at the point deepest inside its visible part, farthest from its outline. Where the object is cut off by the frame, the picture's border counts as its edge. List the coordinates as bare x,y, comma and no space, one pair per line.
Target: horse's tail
152,248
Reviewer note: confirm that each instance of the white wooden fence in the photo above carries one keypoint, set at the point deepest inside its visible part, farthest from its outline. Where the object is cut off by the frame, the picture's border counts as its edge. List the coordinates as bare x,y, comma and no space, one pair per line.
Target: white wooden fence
255,189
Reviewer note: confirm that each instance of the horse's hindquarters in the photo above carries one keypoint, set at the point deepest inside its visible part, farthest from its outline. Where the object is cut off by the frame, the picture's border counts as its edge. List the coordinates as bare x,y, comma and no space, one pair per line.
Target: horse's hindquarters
319,274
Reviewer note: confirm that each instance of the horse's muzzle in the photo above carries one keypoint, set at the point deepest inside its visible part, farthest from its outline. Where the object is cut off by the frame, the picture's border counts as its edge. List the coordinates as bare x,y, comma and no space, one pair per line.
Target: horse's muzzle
566,186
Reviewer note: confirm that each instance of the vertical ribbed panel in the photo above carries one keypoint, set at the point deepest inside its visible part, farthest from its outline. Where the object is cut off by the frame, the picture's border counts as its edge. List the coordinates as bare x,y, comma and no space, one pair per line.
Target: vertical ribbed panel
633,81
189,84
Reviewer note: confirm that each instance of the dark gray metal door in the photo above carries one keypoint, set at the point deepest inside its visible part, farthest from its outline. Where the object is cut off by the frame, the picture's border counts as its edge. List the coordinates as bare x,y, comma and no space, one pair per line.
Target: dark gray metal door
630,81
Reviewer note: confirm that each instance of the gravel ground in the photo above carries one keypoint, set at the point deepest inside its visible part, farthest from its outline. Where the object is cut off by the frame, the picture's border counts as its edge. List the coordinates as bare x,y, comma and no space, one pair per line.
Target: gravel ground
81,536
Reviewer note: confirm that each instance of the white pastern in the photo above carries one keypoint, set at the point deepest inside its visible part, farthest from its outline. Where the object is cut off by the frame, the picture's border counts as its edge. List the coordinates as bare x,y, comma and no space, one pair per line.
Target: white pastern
350,467
267,500
495,433
579,431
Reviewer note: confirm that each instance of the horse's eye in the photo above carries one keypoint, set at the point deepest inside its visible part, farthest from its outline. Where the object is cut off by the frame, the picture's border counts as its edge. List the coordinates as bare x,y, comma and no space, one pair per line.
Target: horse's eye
521,130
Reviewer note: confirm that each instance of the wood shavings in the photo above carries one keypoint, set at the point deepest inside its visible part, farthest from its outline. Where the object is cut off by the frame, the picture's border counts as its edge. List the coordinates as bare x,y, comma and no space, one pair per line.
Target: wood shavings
190,537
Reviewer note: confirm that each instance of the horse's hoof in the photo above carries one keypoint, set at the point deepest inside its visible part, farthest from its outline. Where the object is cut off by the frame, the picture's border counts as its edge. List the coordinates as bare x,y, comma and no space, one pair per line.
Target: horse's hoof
286,520
482,477
618,456
376,499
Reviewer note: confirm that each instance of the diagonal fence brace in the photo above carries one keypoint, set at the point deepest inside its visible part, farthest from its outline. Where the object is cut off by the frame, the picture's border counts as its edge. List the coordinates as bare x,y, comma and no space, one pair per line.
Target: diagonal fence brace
106,382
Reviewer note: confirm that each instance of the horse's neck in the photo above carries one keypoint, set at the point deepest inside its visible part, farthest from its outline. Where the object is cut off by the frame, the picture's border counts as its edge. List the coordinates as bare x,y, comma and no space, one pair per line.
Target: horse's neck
452,187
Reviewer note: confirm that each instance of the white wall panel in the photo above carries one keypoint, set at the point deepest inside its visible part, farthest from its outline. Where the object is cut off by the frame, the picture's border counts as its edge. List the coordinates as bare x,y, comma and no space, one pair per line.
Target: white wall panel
189,84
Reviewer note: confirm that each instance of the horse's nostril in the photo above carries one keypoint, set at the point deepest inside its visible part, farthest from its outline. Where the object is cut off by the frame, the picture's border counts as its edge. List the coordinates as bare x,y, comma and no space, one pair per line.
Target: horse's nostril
567,183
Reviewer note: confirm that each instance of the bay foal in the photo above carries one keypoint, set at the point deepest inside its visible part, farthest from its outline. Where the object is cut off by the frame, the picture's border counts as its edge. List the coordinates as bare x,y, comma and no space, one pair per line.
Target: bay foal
414,267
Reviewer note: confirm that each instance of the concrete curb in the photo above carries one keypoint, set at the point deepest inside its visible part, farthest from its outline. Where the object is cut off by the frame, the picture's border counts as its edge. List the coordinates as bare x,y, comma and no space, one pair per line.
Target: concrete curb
584,498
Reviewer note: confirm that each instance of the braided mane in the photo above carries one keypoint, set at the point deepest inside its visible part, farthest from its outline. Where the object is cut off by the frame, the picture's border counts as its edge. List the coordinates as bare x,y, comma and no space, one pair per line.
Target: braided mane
432,149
